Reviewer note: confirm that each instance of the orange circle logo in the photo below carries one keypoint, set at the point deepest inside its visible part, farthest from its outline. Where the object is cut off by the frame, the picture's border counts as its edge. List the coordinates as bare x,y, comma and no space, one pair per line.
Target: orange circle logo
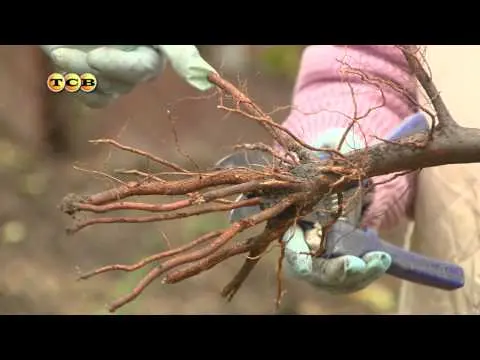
72,82
56,82
89,82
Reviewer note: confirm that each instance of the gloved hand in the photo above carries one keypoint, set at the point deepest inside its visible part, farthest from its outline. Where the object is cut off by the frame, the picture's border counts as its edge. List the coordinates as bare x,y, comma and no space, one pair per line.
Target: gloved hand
119,68
343,274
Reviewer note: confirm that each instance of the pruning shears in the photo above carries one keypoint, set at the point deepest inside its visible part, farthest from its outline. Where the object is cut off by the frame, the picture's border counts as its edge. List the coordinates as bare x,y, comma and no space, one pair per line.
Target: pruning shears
344,237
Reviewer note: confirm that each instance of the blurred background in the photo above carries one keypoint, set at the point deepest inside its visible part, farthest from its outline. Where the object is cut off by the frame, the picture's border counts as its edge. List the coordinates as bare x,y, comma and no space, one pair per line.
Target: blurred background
43,135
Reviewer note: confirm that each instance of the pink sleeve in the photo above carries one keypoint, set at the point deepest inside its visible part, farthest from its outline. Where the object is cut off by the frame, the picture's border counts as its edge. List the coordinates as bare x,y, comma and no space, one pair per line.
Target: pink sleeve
322,96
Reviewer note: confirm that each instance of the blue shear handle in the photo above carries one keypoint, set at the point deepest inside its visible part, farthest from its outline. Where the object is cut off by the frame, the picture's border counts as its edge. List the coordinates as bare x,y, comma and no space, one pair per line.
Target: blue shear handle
345,239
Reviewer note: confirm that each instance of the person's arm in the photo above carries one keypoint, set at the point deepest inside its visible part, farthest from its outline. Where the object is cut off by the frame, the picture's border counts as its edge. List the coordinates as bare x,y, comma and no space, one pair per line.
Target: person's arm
120,68
322,94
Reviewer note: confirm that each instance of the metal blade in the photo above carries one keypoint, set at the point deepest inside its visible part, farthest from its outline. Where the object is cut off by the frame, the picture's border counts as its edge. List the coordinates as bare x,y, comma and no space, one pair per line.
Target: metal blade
244,158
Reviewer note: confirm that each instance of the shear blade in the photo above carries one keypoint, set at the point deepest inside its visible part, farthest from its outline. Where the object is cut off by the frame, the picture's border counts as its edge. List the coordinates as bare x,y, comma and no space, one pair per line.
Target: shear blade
244,158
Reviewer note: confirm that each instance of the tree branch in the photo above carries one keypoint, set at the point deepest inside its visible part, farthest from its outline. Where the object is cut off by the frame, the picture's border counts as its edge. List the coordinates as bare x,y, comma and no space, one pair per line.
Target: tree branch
444,118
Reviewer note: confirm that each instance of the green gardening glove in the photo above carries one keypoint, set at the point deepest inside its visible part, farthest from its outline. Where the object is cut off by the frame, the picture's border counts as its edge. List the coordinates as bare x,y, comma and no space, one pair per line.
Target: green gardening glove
119,68
342,274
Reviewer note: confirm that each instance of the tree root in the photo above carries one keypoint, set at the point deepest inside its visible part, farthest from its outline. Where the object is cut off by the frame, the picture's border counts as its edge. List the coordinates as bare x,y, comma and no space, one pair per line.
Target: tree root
296,184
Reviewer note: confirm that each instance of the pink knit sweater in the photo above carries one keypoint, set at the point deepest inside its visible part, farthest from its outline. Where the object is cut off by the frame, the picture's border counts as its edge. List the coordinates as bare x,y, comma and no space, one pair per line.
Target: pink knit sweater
322,95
